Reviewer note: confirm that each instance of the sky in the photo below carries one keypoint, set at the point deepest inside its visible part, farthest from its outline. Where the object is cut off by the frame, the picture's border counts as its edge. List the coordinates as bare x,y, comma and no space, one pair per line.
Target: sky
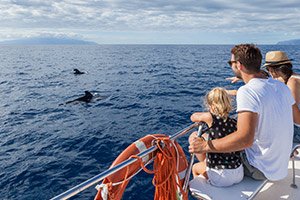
153,21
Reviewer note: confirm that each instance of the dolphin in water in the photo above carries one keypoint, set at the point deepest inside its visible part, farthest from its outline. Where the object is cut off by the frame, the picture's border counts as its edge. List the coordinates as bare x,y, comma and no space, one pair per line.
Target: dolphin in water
88,96
77,72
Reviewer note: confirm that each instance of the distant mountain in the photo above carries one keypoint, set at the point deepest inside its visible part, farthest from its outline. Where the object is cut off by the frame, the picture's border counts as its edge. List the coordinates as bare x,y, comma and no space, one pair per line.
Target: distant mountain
290,42
47,41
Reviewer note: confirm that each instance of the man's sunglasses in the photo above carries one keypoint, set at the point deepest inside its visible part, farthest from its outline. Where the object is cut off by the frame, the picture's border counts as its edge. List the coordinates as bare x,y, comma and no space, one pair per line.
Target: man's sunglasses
230,62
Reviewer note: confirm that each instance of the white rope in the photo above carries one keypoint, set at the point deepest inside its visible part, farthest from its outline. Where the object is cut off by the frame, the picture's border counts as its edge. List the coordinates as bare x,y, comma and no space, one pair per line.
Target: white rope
104,191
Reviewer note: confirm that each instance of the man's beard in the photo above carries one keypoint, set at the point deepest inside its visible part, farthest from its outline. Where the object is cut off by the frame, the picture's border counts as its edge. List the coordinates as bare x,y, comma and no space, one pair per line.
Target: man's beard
237,73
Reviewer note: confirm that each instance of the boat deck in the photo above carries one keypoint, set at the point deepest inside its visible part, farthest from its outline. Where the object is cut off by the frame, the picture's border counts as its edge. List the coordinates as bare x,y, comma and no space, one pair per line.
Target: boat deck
200,189
282,189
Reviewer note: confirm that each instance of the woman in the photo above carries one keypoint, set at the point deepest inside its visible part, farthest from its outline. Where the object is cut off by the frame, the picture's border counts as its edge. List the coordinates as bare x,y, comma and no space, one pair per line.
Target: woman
280,67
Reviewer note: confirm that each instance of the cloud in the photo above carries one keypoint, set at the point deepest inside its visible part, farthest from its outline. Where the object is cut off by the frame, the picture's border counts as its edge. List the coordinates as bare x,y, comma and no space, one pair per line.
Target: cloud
221,16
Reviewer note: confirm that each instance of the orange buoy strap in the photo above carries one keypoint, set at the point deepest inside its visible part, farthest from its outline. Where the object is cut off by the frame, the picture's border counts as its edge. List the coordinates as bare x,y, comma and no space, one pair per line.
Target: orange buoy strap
126,176
127,179
143,166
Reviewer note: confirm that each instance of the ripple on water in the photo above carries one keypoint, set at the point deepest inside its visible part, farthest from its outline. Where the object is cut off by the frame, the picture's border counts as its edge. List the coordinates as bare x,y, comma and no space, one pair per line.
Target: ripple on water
47,149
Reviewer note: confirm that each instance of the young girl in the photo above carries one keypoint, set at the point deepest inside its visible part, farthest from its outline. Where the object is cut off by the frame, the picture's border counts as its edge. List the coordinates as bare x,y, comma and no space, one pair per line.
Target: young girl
221,169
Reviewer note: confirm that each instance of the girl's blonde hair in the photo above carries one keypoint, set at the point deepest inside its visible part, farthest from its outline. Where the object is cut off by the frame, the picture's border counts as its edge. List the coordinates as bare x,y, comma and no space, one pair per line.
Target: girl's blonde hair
218,102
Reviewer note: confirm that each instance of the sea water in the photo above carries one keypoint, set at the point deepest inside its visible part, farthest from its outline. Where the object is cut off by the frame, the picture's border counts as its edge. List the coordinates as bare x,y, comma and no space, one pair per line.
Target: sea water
47,147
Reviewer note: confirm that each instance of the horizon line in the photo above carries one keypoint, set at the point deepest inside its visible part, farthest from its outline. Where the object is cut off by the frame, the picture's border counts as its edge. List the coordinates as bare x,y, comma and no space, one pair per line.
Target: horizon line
3,44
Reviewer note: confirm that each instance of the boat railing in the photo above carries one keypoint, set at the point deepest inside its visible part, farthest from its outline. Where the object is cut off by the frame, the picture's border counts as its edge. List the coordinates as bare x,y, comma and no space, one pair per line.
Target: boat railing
96,179
296,146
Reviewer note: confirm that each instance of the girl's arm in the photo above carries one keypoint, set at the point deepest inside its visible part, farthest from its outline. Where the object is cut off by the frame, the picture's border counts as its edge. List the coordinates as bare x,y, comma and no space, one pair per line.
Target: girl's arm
231,92
202,117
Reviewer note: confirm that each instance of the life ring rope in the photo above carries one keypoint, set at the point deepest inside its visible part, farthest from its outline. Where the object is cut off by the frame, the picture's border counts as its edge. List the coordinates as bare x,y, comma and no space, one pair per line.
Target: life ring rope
167,184
169,162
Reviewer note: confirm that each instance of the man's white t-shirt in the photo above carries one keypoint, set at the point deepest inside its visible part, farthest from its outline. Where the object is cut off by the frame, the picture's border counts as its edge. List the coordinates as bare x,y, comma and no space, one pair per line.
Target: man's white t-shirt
272,101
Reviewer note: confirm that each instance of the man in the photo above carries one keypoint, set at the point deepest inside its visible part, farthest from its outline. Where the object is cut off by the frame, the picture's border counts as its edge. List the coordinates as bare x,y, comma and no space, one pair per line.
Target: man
264,123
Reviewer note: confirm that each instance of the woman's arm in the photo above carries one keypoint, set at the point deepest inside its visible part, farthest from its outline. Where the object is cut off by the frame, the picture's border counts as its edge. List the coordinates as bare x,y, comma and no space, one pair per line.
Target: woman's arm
294,85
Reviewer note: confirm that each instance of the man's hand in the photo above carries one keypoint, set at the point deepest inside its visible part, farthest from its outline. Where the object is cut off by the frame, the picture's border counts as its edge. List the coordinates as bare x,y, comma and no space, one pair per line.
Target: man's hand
233,79
197,145
192,136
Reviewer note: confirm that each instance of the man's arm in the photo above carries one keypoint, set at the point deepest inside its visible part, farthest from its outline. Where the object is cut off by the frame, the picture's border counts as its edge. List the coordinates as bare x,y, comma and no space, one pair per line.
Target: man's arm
239,140
233,79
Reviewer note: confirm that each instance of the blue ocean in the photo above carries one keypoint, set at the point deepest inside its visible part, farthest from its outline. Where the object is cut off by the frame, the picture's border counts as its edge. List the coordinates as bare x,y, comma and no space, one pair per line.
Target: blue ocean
48,147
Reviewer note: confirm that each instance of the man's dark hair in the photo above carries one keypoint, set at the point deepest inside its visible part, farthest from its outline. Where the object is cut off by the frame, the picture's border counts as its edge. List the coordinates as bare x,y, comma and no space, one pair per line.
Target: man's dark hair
249,56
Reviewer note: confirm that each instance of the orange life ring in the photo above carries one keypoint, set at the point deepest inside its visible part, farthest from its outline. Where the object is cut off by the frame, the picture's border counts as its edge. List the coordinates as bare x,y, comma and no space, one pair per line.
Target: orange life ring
112,191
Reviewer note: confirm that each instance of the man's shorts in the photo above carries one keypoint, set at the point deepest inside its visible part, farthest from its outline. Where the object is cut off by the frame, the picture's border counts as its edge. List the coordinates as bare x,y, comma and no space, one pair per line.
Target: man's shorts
251,171
296,134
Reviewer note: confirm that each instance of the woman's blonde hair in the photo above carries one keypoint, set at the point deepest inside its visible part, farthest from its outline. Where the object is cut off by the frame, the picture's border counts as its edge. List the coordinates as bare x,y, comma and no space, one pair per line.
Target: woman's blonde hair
218,102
